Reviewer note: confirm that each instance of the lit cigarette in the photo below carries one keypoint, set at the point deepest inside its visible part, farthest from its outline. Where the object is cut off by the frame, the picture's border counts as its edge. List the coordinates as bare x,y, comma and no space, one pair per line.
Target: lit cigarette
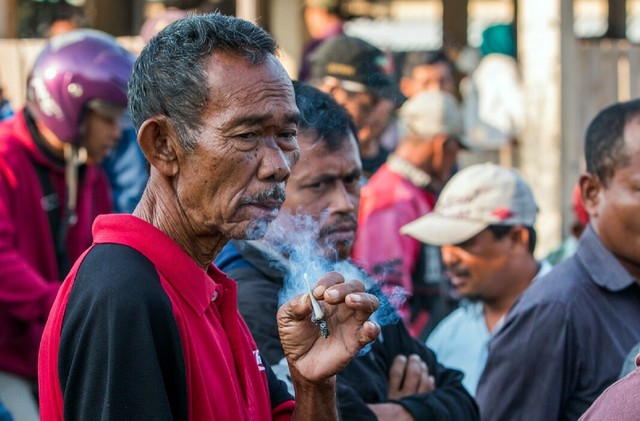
318,314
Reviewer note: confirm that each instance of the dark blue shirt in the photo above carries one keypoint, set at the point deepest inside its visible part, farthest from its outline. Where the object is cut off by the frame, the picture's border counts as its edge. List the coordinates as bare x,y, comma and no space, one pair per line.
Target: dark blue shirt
564,341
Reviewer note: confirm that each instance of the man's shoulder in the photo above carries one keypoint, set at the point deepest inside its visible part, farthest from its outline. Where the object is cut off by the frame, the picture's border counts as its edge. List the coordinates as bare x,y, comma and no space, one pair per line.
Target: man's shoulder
116,269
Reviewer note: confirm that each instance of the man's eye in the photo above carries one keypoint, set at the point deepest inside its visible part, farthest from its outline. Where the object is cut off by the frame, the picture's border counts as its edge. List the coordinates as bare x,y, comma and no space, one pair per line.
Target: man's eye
248,136
289,135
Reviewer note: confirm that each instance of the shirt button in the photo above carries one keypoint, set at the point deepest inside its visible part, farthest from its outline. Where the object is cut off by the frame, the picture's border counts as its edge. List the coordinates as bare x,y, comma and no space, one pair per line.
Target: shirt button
215,295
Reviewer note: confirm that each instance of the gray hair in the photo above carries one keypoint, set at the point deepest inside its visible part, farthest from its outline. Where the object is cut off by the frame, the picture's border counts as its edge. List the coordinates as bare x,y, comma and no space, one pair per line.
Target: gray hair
169,76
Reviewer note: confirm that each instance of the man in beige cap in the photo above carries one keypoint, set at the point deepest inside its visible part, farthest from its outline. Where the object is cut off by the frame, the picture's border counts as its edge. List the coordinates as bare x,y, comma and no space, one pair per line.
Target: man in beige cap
483,221
403,189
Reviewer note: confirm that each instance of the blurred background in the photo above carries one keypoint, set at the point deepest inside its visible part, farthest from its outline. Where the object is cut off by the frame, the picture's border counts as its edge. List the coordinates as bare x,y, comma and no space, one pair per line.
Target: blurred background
574,58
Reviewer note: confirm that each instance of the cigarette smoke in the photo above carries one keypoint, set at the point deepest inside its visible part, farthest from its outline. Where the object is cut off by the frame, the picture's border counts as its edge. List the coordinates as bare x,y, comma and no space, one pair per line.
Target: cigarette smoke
296,236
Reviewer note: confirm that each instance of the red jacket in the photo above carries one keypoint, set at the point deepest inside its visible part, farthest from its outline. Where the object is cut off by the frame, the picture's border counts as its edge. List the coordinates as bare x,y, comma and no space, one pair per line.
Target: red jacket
387,202
140,331
28,267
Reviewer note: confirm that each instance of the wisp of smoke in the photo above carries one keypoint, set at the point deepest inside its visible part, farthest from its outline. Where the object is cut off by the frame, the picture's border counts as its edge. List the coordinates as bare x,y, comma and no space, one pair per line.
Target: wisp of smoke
296,237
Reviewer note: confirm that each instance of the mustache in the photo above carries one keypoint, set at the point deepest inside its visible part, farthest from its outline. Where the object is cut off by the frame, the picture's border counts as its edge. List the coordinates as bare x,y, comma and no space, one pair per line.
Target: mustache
457,271
274,194
343,222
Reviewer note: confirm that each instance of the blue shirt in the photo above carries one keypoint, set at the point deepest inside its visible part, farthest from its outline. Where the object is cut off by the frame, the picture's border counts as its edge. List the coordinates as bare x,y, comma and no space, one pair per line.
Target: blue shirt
460,341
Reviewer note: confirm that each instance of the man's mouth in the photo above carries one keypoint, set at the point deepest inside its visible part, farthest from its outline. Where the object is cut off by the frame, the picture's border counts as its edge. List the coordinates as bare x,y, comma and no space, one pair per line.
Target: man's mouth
458,278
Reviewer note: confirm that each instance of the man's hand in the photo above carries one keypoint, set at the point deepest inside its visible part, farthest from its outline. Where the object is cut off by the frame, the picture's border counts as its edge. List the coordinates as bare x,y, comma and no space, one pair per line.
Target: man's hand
409,376
346,310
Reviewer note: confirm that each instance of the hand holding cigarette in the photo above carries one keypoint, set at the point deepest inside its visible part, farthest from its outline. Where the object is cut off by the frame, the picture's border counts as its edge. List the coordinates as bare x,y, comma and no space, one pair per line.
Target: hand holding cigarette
345,309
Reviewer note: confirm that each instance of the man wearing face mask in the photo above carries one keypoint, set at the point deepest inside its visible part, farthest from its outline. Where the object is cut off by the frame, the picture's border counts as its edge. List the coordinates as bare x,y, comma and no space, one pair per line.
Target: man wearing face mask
399,378
51,189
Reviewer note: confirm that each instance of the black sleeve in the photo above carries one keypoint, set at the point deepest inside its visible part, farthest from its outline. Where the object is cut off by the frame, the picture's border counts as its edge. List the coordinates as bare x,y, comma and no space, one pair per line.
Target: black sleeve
278,391
450,400
120,349
258,305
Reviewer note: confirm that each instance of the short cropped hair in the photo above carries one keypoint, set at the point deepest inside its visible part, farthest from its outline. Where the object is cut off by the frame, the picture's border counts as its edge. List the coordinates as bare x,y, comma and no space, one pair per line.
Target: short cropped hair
414,59
500,231
604,147
321,113
169,76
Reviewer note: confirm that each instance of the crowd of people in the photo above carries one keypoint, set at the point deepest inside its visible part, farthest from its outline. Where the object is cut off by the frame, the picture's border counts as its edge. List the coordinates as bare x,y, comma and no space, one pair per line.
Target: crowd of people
191,234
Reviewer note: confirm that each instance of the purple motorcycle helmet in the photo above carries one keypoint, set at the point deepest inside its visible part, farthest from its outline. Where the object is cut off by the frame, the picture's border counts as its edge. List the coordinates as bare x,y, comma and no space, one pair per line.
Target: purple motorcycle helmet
75,69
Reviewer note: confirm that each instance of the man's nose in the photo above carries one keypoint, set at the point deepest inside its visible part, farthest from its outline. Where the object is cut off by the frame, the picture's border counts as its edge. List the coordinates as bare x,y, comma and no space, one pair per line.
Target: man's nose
343,200
276,163
449,255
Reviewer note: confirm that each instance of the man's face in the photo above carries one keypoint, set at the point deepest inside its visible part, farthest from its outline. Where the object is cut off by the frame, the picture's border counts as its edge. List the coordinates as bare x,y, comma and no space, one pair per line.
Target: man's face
325,185
430,77
615,209
359,105
377,121
101,133
478,266
233,182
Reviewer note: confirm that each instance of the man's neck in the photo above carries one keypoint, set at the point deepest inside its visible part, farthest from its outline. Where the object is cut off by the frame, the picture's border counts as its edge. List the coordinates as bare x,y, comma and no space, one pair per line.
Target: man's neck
495,309
159,208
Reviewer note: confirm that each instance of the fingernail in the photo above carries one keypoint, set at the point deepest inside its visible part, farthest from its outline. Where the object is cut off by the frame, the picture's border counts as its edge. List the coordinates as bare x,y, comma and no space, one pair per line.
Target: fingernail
333,294
355,298
319,291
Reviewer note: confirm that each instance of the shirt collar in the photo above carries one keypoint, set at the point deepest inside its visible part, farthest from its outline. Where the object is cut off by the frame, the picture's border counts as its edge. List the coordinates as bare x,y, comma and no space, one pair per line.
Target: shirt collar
604,268
189,280
414,174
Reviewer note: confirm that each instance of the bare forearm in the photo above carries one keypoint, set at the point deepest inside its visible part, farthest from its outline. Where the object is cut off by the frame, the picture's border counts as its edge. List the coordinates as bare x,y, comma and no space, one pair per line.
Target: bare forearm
314,401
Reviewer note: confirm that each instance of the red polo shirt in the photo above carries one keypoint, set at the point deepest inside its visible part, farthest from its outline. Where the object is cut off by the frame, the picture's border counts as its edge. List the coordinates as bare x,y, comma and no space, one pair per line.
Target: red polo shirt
139,330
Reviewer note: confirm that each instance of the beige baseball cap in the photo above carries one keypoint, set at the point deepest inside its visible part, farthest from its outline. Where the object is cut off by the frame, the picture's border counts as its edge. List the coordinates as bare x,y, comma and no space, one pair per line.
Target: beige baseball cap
430,113
476,197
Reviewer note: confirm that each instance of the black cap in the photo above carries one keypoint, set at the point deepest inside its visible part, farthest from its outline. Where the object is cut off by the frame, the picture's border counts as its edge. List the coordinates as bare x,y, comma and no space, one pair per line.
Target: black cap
351,59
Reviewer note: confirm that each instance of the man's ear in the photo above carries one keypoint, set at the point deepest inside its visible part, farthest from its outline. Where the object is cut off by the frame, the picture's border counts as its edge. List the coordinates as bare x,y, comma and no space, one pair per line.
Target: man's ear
160,145
406,86
520,236
590,187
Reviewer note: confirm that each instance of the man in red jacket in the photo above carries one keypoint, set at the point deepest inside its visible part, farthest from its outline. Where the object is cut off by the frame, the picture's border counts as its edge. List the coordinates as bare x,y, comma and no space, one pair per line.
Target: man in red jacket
145,327
51,190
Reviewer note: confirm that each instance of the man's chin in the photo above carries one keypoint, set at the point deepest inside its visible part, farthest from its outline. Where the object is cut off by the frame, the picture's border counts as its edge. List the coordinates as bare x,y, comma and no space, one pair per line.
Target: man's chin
254,231
337,251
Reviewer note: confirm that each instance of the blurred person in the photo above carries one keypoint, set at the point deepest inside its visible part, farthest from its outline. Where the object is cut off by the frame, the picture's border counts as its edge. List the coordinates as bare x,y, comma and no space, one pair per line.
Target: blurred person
428,71
403,378
143,311
484,222
51,189
492,95
372,152
421,71
126,167
619,401
580,221
356,74
403,189
541,361
323,20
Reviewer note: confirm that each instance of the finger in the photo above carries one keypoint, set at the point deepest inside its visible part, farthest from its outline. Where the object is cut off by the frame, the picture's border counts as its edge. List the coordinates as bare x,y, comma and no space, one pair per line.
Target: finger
297,308
336,294
427,382
369,332
362,301
396,373
413,374
327,281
